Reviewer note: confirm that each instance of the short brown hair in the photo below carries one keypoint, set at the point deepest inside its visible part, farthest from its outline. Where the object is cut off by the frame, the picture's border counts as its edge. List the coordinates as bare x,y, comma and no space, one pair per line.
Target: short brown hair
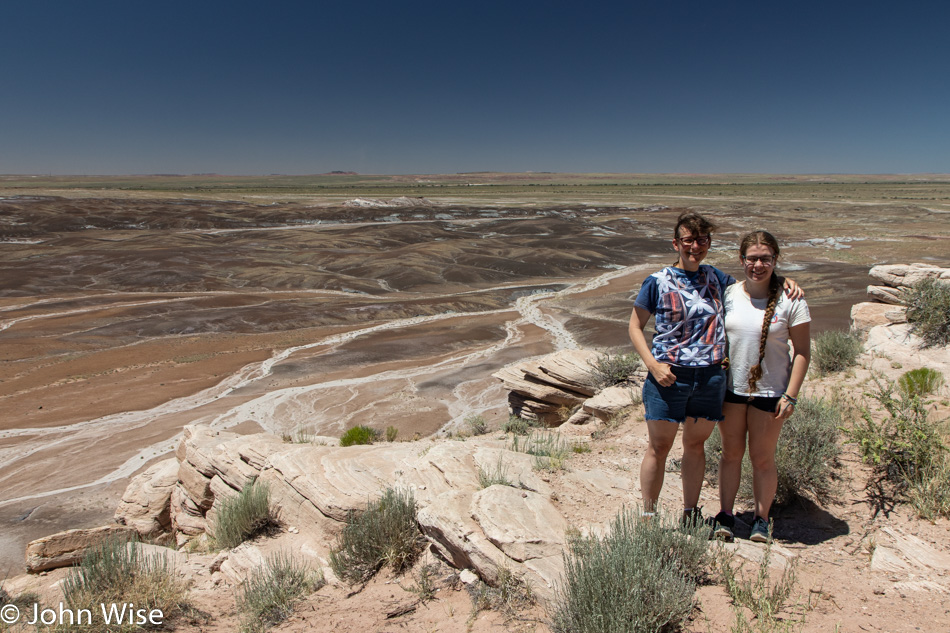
697,225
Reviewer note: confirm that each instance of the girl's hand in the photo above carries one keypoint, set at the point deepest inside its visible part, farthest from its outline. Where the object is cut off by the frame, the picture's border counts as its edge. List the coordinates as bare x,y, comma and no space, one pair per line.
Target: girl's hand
792,289
784,409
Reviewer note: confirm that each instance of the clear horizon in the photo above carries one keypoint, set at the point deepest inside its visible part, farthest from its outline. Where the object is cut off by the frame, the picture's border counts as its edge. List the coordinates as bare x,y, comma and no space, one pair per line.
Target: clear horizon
114,88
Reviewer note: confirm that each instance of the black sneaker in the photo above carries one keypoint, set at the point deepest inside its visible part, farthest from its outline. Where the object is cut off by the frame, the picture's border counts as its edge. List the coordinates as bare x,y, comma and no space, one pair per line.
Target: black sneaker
723,526
760,531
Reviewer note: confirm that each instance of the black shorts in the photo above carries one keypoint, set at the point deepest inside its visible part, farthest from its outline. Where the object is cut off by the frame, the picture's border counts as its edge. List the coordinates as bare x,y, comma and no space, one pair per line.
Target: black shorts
762,403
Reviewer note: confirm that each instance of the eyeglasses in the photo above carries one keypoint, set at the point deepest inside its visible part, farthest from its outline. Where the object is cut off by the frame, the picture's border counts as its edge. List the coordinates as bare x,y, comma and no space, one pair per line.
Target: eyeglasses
768,260
702,240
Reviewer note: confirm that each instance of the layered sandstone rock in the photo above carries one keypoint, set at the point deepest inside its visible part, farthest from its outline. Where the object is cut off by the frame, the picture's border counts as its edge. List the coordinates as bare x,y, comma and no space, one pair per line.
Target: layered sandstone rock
146,503
893,279
562,386
68,548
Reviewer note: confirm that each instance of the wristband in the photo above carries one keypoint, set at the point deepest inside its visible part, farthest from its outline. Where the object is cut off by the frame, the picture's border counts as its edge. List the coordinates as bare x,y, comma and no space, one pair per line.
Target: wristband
794,401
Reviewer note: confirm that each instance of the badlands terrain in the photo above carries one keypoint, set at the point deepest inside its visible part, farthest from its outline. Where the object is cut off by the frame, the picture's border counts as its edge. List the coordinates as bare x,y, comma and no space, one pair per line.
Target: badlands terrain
131,307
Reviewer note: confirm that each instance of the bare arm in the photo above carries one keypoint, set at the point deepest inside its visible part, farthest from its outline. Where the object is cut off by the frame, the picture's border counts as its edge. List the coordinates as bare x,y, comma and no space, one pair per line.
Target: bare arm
661,371
800,336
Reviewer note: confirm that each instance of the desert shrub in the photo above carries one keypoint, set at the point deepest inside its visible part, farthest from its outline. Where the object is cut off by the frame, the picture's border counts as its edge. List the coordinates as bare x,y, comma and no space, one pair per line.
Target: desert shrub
835,350
919,382
495,475
476,424
807,452
928,311
518,426
930,494
384,534
244,515
359,435
905,445
805,458
549,449
116,572
640,577
391,433
608,370
757,593
267,597
509,594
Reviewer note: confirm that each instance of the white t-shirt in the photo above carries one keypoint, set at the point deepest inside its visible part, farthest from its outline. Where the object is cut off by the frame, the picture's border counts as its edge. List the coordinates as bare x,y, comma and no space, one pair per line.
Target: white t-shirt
744,331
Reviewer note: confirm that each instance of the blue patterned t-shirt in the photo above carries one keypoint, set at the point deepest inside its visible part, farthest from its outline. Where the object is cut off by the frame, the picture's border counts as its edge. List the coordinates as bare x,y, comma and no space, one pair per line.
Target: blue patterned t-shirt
688,306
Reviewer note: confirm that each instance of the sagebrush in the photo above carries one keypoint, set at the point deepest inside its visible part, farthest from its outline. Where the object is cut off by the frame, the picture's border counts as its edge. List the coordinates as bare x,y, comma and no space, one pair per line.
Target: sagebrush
835,350
385,534
928,311
267,597
613,369
117,572
641,576
244,515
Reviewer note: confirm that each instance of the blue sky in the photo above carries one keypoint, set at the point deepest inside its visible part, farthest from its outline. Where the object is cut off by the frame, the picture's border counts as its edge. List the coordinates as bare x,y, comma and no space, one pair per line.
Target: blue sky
441,87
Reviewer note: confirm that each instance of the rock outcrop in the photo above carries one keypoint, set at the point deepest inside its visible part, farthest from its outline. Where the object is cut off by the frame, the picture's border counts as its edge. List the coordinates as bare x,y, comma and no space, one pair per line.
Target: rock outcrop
67,548
893,279
562,386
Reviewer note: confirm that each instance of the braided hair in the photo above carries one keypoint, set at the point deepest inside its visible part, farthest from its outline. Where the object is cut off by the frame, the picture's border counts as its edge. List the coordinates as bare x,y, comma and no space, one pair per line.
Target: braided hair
768,240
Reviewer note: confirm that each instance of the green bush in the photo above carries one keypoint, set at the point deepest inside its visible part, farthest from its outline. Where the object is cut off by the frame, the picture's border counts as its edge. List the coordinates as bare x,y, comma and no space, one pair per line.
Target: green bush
835,350
549,449
928,311
391,433
267,597
384,534
244,515
509,594
476,424
518,426
359,435
905,444
807,453
764,597
805,458
919,382
608,370
930,495
640,577
116,572
496,475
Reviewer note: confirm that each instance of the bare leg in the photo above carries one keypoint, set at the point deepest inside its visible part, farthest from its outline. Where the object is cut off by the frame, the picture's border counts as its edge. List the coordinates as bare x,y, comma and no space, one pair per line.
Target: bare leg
764,430
733,430
693,471
652,468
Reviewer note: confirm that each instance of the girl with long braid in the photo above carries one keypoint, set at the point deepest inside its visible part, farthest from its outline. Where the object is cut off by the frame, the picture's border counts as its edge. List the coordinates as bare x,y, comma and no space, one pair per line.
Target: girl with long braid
764,379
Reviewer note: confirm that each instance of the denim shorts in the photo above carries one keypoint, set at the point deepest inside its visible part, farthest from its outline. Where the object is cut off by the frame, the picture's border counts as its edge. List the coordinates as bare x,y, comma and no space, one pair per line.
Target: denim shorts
697,393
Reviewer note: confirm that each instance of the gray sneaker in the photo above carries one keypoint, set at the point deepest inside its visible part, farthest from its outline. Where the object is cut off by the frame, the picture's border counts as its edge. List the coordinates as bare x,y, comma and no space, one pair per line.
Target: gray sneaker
760,531
723,526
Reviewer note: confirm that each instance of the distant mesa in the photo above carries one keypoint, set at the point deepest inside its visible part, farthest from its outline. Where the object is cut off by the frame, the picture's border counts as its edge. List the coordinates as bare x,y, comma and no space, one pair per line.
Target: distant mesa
342,173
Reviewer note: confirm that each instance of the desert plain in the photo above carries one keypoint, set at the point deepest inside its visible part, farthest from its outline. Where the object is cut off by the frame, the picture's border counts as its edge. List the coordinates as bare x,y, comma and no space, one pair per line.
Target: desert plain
132,306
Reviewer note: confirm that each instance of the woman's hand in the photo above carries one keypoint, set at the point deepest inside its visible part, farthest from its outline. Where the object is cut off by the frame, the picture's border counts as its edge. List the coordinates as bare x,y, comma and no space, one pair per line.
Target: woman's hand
663,374
792,289
784,409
